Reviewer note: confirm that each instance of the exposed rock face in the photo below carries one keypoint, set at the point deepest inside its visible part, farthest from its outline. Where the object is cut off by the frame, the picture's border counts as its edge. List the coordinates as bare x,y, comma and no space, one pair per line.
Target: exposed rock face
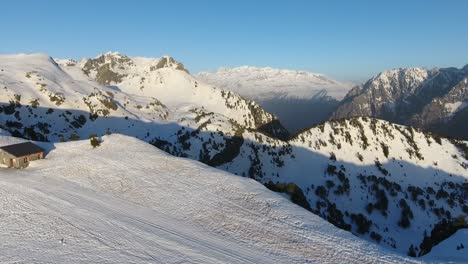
430,99
104,65
110,68
169,62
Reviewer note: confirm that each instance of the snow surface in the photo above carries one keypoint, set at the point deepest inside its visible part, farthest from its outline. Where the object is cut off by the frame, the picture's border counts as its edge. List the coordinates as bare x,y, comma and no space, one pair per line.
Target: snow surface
127,202
4,133
451,250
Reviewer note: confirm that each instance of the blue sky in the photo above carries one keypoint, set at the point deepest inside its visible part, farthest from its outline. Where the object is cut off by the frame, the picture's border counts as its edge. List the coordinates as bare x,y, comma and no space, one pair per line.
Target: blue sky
348,40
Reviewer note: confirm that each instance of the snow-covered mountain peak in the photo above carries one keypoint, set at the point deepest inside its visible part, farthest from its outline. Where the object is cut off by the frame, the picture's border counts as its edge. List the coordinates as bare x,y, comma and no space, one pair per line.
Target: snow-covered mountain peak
167,80
399,78
122,62
25,56
119,87
169,62
410,71
111,54
413,96
33,60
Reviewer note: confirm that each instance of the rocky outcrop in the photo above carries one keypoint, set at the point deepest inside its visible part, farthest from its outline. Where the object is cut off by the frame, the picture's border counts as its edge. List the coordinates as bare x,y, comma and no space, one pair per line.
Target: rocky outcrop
169,62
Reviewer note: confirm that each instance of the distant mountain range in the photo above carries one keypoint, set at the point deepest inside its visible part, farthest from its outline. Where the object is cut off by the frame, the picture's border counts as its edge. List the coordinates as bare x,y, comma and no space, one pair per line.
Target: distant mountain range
397,186
300,99
435,100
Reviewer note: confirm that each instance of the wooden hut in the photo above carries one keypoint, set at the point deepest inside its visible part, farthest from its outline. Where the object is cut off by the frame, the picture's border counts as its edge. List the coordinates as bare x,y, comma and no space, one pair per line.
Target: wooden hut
19,155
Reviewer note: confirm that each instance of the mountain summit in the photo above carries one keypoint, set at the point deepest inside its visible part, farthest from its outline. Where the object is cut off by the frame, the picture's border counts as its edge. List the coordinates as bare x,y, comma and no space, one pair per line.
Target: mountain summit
433,99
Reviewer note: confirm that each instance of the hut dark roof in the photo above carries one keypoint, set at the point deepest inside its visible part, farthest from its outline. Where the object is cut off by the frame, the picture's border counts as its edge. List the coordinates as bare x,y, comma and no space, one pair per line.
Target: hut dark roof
22,149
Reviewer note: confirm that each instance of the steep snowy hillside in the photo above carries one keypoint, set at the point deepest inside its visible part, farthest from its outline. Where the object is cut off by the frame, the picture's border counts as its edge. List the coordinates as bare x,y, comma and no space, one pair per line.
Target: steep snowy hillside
85,205
300,99
434,99
387,183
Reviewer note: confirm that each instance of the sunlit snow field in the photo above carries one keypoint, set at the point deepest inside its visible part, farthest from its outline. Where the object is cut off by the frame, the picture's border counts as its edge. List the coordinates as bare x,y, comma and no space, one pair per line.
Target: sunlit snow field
128,202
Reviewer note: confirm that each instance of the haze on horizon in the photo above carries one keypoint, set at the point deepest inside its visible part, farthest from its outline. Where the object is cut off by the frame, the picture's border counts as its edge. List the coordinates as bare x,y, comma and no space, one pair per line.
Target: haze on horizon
346,40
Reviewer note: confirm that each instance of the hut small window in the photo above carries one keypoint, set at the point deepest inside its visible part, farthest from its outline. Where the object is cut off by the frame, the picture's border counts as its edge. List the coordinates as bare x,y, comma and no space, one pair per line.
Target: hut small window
25,160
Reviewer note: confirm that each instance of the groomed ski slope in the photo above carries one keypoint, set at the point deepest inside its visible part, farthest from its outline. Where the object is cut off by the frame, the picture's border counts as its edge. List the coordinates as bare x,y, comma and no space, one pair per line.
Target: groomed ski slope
128,202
